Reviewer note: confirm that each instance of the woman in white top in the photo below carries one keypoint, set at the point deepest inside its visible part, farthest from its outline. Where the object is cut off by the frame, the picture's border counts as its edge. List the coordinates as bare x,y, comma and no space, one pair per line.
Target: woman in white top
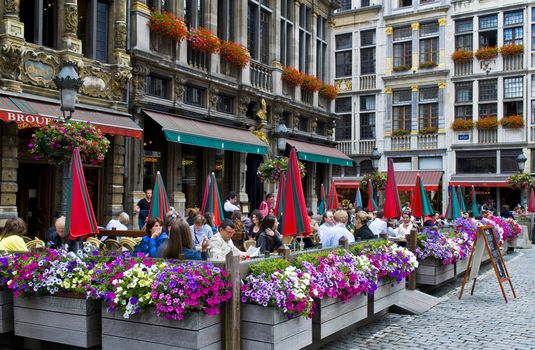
405,227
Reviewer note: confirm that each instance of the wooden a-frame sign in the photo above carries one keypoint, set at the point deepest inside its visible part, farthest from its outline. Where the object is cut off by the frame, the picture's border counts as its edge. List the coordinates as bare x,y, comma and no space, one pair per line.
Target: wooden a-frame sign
485,239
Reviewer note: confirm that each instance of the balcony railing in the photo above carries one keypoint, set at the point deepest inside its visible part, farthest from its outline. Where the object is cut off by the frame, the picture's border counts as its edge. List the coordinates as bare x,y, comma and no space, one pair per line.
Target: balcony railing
229,69
464,68
198,60
261,76
345,147
513,62
487,136
366,146
307,97
427,141
401,143
368,82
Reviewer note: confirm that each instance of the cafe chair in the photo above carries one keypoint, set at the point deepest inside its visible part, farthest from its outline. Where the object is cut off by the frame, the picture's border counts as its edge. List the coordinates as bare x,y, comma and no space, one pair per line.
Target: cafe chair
112,245
128,243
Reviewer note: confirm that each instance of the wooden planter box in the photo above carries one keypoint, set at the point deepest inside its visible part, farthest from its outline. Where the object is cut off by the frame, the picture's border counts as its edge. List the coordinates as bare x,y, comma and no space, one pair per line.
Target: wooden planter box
6,311
387,294
332,315
461,266
148,332
431,271
68,321
264,328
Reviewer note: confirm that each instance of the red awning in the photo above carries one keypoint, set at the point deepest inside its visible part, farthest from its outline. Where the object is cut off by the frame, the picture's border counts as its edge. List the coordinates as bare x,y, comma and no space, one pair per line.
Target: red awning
406,180
347,183
36,113
479,183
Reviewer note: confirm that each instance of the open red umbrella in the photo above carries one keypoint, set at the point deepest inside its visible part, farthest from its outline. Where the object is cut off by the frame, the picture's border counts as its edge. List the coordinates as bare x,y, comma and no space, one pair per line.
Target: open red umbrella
372,205
421,206
279,204
295,219
392,207
80,219
321,204
159,205
212,200
333,198
531,205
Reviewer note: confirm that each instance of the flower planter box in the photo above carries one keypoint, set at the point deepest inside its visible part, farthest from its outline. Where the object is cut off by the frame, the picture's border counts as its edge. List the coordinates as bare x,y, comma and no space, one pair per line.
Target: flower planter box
332,315
387,294
522,241
264,328
461,266
147,331
6,311
68,321
513,135
431,271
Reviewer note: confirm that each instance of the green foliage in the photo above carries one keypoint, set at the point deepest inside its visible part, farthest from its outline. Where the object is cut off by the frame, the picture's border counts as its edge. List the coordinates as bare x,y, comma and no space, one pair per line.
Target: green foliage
370,245
269,266
314,258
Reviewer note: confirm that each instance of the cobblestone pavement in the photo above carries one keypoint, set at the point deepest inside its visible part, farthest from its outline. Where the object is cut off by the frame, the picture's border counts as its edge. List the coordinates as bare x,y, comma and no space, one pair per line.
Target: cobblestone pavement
480,321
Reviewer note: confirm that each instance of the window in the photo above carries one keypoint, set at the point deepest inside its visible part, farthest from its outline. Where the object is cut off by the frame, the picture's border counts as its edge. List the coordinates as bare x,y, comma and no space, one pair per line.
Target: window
367,117
367,52
401,110
488,31
515,17
40,18
342,130
514,35
488,90
508,163
474,162
93,28
429,45
194,95
402,164
193,13
225,104
158,5
364,3
513,108
342,105
225,19
403,47
321,48
512,87
405,3
533,29
488,110
158,86
428,107
305,15
463,100
430,163
345,5
303,124
320,128
286,31
367,103
258,23
463,34
343,57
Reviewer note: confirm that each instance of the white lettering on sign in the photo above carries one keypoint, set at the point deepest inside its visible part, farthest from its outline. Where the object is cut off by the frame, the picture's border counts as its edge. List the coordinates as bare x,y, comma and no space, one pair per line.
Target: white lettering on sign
27,118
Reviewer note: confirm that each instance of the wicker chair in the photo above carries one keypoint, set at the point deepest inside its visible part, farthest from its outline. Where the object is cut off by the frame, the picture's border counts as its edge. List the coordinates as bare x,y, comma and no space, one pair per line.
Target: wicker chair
95,242
128,243
112,245
27,239
35,243
248,243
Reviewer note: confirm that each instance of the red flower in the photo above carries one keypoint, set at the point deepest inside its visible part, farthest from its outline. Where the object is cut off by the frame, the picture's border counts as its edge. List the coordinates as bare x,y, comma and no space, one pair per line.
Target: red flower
203,40
234,53
168,26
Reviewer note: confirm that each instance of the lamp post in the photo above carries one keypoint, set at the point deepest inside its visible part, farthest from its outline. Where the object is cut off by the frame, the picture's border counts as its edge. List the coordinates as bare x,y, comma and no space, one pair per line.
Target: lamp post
521,161
282,137
68,83
376,156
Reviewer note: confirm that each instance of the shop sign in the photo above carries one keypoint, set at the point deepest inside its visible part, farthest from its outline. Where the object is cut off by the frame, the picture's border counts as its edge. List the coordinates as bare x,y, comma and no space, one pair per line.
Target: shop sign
39,71
24,120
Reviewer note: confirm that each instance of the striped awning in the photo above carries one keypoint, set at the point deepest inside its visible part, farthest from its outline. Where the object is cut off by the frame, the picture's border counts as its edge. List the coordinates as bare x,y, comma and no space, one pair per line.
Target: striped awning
38,113
320,154
406,180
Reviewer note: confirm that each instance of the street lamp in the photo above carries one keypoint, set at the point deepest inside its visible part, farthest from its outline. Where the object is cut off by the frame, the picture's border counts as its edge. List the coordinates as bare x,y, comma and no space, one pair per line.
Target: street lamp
282,137
376,156
68,82
521,160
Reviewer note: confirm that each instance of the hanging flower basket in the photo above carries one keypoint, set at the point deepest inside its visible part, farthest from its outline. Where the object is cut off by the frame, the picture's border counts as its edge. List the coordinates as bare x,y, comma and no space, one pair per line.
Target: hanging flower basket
58,140
462,55
511,49
520,180
168,26
203,40
487,123
328,91
486,53
234,53
271,169
513,122
311,83
292,76
462,124
378,180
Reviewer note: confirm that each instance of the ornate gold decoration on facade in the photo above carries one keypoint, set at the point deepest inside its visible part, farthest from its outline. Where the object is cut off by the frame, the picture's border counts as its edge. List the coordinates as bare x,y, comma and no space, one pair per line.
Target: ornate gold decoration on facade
415,26
442,22
141,7
120,35
332,22
389,30
414,88
11,7
315,14
261,135
442,85
140,73
97,81
388,90
38,68
71,18
121,77
343,85
10,58
261,114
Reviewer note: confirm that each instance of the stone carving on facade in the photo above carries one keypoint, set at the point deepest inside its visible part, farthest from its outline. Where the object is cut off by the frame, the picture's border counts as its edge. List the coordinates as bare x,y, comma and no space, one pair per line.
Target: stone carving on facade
10,58
314,125
276,113
121,77
71,19
11,7
97,82
296,118
39,68
213,98
140,72
243,106
179,89
120,35
343,85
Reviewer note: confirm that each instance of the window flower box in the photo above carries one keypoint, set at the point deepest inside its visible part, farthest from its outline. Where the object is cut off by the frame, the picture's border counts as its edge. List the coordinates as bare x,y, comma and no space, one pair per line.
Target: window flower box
332,315
401,132
428,130
427,65
511,49
292,76
432,271
197,330
462,56
69,321
6,311
311,83
168,26
462,124
490,122
203,40
328,91
486,53
513,122
388,293
235,54
403,68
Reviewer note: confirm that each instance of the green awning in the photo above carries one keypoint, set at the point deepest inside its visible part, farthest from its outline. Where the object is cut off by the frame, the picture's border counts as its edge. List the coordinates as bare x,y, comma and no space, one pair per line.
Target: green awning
199,133
320,154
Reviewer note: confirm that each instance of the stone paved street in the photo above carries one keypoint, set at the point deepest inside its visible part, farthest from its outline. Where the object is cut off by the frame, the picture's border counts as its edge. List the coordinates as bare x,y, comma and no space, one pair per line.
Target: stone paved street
481,321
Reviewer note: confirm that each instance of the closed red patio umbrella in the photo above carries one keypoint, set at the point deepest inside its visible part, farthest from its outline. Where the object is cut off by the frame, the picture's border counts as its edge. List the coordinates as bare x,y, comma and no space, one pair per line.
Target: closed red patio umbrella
392,207
159,206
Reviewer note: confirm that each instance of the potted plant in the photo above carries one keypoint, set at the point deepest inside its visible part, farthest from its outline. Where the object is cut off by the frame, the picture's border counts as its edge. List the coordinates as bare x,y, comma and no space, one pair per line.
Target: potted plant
462,124
511,49
378,179
428,130
520,181
292,76
235,53
486,53
329,91
427,65
310,83
462,55
6,299
402,68
271,169
167,25
490,122
401,132
513,121
58,139
203,40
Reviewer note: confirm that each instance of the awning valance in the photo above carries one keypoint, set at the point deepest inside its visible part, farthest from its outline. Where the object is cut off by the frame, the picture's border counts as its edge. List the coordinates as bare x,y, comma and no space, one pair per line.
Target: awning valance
320,154
37,113
347,183
479,181
199,133
406,180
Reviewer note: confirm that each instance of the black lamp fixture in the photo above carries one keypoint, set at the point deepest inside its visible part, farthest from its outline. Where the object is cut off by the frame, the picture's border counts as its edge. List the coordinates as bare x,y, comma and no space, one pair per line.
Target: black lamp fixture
521,160
282,136
68,82
376,156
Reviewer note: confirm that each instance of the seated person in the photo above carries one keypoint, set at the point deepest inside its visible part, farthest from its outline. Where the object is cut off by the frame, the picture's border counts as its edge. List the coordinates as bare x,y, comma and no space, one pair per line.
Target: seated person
340,218
256,219
362,230
326,231
151,242
268,239
179,244
200,230
120,223
240,235
11,238
378,225
57,238
405,227
209,217
221,243
191,212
